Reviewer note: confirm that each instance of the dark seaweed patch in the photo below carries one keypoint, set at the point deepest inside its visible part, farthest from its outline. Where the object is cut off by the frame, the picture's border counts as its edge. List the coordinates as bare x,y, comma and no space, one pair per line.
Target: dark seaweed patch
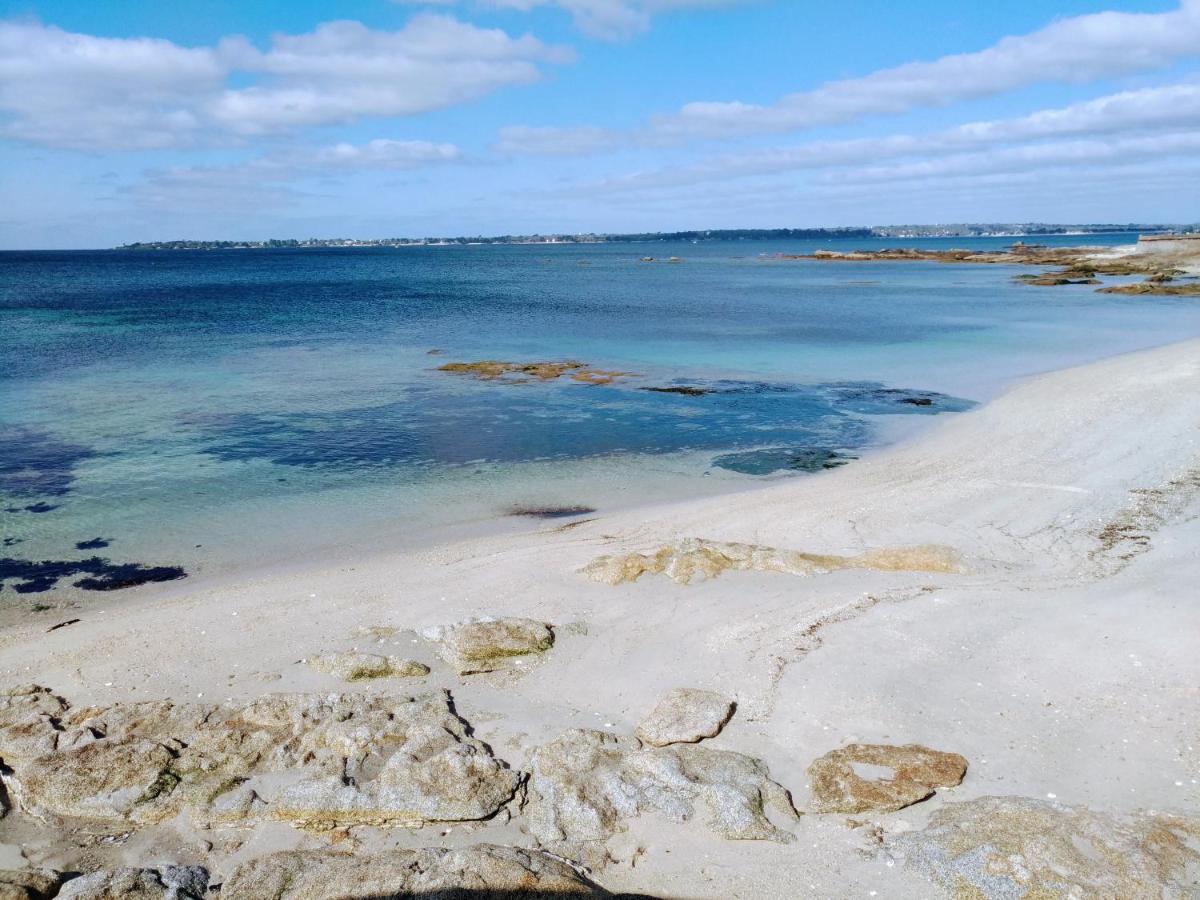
686,390
34,463
94,544
782,459
549,512
30,577
9,542
875,399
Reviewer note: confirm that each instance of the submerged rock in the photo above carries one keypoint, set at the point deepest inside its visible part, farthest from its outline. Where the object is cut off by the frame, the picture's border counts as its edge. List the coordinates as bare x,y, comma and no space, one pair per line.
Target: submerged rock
586,784
881,777
29,884
785,459
485,644
695,557
165,883
484,872
549,512
314,760
685,716
364,666
998,848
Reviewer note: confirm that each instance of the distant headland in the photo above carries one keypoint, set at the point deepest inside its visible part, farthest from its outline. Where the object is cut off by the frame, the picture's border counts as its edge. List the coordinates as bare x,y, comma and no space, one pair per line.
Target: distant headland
721,234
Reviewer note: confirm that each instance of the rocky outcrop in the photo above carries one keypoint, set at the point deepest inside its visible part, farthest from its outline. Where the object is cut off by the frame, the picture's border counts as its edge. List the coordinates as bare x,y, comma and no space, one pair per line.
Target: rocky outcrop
1054,279
1157,288
586,785
365,666
314,760
483,871
685,716
999,848
697,558
29,884
165,883
519,373
486,644
880,777
28,717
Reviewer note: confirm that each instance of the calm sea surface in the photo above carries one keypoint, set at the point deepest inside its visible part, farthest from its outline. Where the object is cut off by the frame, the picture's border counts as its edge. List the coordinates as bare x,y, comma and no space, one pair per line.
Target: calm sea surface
214,410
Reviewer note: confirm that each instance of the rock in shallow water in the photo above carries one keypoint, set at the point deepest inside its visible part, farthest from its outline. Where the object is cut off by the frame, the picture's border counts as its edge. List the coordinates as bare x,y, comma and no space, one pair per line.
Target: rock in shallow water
484,645
483,872
685,716
586,784
364,666
843,783
1005,848
165,883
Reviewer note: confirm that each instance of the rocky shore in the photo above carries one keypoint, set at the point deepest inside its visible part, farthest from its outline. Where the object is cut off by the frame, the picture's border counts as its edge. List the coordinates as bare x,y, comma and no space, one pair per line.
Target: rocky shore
964,667
1079,265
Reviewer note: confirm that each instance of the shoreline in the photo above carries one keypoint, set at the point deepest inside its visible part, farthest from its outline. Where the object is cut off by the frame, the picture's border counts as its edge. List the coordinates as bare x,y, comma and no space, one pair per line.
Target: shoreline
1059,615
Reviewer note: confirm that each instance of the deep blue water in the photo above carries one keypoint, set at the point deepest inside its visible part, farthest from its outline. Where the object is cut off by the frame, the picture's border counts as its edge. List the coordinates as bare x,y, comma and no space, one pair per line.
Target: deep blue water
225,408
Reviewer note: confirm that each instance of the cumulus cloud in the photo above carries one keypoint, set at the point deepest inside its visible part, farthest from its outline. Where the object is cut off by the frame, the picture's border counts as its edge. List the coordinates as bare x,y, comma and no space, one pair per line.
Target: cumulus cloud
86,92
604,19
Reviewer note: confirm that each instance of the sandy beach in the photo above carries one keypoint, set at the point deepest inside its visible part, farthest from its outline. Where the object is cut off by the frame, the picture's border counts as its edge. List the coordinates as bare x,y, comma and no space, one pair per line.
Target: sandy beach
1015,586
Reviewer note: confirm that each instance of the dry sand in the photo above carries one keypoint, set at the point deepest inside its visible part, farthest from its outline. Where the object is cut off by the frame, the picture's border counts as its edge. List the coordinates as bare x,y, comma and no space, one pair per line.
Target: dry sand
1063,660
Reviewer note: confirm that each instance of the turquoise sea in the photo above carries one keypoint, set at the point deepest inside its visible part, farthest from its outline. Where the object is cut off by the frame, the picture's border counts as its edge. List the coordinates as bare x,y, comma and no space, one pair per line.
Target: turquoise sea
221,410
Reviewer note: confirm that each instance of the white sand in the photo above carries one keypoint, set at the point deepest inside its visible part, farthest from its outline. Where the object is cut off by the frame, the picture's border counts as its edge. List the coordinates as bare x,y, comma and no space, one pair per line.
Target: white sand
1055,664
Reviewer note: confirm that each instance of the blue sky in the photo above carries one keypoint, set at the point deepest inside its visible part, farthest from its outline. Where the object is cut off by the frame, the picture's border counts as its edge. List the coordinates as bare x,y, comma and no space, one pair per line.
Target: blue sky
125,120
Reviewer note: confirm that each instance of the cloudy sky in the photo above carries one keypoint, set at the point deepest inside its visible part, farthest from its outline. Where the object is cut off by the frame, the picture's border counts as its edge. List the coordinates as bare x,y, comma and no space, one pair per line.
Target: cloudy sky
124,120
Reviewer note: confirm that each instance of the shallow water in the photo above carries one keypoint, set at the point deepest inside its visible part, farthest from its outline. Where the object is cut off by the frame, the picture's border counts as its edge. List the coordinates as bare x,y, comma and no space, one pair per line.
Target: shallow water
237,408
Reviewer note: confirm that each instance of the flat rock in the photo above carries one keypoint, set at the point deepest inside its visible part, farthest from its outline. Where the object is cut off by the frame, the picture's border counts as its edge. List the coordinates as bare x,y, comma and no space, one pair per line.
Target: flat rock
27,722
696,558
999,848
685,716
880,777
315,760
486,644
29,884
586,784
364,666
165,883
482,872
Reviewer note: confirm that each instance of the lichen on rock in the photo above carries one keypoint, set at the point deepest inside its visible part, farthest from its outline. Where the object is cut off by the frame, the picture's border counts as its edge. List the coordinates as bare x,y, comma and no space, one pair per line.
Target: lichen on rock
586,784
698,558
484,870
685,716
364,666
487,644
902,776
1015,848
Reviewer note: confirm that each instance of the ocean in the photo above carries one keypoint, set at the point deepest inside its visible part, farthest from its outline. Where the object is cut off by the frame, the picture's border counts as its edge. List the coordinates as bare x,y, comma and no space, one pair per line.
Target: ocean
165,413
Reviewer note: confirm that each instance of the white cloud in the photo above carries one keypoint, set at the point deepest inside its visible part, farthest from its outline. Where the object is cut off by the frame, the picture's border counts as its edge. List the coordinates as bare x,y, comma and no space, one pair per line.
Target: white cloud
524,139
1071,50
85,92
1150,122
605,19
269,180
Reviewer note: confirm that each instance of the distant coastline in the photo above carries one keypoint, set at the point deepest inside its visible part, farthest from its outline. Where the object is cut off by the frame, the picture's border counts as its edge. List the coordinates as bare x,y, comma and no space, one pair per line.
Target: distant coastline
1018,230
